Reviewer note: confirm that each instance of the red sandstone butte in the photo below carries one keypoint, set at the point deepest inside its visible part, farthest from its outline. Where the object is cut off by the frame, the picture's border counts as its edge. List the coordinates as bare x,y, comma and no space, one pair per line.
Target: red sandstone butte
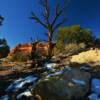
42,48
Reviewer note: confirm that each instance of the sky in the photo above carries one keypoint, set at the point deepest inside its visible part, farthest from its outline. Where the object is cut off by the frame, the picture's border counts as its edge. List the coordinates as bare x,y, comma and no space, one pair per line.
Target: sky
18,28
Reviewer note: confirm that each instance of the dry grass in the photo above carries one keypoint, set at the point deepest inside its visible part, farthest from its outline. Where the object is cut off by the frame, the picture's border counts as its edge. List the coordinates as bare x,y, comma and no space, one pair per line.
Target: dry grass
90,56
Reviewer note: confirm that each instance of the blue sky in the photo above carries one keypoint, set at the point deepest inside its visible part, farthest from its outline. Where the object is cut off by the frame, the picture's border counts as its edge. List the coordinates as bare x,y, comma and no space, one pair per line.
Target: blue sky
18,28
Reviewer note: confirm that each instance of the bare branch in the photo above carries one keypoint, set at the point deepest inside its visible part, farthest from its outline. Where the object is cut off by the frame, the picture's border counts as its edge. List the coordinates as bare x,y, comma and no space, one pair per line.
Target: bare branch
46,10
59,24
59,10
34,17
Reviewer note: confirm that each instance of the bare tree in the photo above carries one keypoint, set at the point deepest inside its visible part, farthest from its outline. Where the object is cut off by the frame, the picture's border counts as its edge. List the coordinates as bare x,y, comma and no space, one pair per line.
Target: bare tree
47,23
1,20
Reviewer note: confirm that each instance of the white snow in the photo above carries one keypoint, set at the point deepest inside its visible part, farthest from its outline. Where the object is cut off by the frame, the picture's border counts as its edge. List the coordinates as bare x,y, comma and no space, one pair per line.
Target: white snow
30,79
20,83
27,93
16,84
50,66
85,68
55,74
77,81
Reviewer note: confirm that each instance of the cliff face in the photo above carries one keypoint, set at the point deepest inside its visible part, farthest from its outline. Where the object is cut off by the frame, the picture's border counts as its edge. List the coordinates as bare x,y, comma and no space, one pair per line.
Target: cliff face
41,48
24,48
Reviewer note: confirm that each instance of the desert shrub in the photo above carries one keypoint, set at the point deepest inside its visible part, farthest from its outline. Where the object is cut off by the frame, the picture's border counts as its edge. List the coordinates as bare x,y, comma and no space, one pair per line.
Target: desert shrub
21,57
71,48
75,34
74,48
73,39
82,45
59,48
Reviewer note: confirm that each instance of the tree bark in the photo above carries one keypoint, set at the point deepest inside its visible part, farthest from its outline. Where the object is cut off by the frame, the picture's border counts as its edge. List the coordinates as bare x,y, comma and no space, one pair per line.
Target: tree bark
50,45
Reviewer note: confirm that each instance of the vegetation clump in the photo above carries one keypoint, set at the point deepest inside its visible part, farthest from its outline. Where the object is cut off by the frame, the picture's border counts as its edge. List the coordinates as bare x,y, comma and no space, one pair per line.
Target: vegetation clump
74,39
21,57
4,48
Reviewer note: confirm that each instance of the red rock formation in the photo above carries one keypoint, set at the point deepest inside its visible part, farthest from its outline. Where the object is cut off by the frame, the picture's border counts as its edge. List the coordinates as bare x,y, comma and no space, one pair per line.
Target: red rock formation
42,48
24,48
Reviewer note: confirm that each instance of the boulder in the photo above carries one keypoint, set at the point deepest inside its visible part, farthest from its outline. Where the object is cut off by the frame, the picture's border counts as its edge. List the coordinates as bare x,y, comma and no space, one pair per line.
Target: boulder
69,84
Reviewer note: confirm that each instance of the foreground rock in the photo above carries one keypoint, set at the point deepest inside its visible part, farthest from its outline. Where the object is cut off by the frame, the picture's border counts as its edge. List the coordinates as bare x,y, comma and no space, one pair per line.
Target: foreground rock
64,85
54,84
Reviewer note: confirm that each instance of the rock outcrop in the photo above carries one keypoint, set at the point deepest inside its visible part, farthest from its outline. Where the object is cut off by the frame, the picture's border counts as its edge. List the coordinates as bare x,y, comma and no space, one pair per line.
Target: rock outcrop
41,48
69,84
25,48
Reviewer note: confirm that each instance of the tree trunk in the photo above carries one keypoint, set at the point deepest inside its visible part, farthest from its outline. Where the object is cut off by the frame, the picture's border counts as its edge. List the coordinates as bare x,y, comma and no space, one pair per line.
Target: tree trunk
50,46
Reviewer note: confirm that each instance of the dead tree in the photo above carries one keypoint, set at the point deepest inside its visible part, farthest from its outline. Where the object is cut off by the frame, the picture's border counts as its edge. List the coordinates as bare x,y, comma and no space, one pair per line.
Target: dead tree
47,23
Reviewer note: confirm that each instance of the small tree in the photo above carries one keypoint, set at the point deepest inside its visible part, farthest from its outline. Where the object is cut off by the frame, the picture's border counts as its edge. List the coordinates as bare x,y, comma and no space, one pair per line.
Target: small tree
4,48
75,34
48,24
22,57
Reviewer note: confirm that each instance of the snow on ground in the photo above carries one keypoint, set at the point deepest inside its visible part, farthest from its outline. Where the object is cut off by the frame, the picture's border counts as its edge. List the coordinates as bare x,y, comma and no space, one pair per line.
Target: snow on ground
27,93
18,84
79,82
50,66
55,74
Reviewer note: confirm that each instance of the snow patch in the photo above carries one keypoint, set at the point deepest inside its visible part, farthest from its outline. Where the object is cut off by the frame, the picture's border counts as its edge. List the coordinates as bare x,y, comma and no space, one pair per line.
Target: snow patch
55,74
79,82
27,93
50,66
18,84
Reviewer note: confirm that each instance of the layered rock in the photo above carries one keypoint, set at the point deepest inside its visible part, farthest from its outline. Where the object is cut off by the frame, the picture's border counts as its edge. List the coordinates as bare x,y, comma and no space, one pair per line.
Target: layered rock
24,48
41,48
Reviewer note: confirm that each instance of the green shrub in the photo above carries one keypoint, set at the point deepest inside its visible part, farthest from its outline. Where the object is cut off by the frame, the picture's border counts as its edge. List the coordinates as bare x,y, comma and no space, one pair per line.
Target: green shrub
59,48
21,57
4,48
73,48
